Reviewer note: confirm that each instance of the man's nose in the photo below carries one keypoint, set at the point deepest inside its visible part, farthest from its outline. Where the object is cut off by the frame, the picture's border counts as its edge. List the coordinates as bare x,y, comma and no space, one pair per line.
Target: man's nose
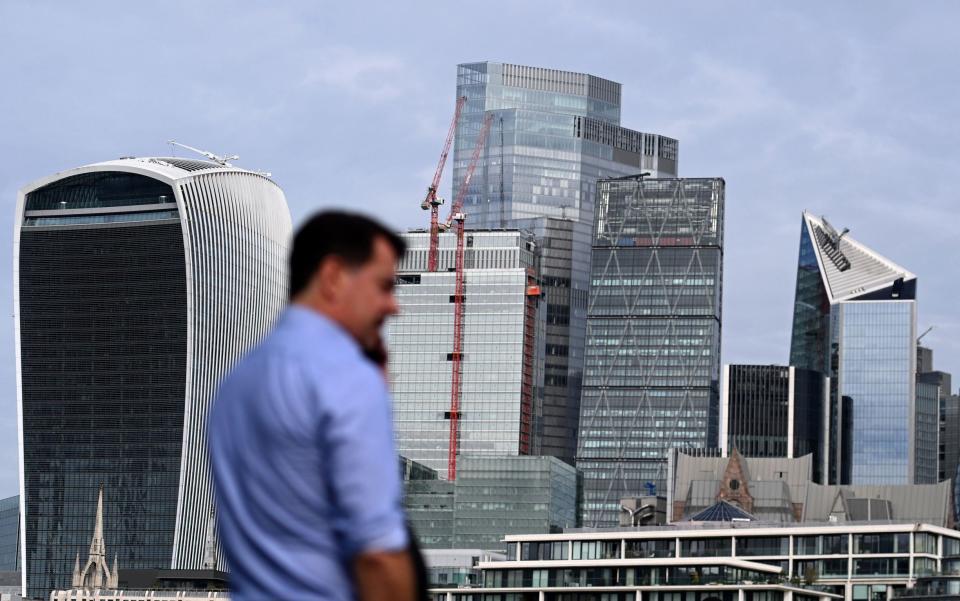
392,306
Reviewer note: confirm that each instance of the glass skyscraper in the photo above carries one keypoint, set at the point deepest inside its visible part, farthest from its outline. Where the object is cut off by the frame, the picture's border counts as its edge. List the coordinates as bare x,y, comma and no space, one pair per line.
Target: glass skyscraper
553,135
10,534
491,497
138,282
651,376
497,496
772,411
501,382
855,321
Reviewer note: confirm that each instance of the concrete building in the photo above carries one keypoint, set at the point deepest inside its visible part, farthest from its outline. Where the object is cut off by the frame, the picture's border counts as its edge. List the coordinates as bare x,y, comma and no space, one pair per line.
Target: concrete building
554,134
772,411
777,490
719,561
457,567
855,321
501,381
137,284
652,361
11,586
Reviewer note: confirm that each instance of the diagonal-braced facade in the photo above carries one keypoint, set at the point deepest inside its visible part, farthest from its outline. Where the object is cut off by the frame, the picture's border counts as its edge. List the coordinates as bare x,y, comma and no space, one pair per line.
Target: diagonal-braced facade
652,358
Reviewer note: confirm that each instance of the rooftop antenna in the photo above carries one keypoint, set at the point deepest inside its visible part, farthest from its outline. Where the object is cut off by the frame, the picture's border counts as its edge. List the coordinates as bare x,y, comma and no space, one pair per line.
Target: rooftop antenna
925,332
223,161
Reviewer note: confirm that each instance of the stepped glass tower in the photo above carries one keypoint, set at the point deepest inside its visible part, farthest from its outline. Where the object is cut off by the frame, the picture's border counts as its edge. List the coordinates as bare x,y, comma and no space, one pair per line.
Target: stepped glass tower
137,283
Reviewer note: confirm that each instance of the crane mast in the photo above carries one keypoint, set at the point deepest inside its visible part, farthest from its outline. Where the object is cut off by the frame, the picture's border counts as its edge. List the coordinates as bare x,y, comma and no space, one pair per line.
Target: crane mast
457,218
432,202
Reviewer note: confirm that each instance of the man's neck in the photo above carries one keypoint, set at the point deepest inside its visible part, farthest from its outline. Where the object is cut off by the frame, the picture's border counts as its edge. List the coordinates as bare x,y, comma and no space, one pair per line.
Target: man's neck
323,309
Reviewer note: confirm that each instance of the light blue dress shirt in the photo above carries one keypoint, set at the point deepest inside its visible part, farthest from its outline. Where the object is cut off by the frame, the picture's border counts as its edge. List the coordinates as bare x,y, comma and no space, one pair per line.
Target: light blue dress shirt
306,474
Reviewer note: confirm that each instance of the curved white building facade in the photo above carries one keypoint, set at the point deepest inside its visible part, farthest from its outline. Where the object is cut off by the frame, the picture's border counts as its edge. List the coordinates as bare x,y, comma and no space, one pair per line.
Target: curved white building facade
138,283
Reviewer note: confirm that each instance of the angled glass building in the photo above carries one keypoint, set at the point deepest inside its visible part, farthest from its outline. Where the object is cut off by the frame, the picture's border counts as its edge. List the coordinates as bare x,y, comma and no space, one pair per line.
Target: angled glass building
137,282
854,321
652,368
554,134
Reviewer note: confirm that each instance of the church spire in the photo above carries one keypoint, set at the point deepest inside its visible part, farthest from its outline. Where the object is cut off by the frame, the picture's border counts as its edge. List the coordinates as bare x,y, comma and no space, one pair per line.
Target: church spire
96,573
97,546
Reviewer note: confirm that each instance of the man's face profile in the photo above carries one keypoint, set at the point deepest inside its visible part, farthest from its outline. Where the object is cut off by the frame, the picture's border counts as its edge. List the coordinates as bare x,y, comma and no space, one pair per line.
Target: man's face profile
360,297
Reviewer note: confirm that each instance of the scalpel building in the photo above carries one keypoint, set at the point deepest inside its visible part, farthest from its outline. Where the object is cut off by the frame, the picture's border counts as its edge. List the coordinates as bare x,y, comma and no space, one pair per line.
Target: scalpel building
855,321
137,282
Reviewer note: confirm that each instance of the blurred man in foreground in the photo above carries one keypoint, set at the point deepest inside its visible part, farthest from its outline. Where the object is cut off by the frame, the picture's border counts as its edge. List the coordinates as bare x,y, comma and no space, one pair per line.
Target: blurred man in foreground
301,441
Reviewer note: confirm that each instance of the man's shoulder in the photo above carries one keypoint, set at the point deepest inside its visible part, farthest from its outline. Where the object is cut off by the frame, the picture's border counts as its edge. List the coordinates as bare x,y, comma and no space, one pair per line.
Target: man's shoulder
330,370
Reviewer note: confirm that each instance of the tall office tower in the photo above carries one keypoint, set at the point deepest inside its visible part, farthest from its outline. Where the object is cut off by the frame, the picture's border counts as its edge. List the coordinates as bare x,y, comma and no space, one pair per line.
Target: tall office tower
855,321
949,437
563,369
772,411
650,380
10,534
501,382
938,385
553,135
137,282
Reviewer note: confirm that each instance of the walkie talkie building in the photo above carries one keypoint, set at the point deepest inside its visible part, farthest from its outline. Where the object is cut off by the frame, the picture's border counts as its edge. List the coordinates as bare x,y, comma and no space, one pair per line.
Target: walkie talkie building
137,284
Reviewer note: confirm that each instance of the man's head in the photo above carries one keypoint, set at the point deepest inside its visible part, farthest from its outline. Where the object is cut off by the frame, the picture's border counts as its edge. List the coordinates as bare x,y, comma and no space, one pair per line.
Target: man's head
344,265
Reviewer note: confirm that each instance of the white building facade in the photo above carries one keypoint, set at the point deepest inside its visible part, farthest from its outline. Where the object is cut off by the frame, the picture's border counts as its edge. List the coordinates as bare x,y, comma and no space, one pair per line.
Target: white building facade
719,562
501,380
138,283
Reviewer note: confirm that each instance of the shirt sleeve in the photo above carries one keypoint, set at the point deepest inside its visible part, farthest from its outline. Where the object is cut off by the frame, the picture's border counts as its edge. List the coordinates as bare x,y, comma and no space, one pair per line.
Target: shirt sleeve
363,465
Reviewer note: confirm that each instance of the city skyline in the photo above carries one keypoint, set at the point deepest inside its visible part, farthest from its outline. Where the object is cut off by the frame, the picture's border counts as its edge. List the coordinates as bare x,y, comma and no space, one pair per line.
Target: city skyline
831,111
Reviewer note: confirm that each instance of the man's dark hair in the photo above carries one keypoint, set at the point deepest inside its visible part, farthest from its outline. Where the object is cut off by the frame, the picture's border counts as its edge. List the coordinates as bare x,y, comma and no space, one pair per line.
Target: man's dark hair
348,236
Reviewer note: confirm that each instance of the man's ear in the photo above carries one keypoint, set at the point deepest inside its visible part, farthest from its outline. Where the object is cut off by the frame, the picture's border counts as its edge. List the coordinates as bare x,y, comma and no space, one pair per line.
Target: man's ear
329,277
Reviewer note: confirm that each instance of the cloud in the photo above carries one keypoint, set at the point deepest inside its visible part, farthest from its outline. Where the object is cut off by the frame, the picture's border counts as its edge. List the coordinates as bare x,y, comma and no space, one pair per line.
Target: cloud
370,76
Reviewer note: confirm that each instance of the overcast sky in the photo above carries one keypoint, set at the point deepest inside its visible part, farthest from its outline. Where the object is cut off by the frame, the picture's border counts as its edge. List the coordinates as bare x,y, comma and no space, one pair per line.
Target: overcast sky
847,110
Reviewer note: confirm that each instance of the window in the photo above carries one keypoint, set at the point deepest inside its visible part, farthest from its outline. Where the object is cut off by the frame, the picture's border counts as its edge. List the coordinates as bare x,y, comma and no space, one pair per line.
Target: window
774,545
885,566
705,547
881,543
538,551
651,548
925,543
596,549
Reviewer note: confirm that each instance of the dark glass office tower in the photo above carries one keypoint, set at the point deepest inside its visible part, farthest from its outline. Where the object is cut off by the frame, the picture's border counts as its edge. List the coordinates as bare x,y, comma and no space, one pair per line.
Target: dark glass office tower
653,336
554,134
772,411
138,282
855,322
563,372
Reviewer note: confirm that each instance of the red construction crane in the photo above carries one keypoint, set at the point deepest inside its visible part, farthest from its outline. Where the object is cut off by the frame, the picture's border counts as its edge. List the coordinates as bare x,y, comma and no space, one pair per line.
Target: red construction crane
432,202
457,215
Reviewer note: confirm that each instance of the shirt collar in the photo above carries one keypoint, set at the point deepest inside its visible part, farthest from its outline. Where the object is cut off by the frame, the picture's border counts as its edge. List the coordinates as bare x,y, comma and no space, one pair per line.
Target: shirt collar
308,321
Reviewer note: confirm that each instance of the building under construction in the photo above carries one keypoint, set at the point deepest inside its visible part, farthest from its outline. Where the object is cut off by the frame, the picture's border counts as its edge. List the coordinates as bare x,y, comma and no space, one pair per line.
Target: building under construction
501,381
